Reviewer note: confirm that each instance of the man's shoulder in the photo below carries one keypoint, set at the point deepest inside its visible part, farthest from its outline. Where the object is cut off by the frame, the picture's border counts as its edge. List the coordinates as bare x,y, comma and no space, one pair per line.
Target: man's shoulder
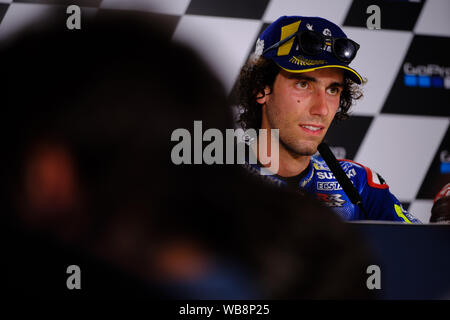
319,164
354,170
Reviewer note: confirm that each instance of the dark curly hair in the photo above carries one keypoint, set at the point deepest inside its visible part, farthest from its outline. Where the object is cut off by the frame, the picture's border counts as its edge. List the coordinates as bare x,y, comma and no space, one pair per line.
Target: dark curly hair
256,75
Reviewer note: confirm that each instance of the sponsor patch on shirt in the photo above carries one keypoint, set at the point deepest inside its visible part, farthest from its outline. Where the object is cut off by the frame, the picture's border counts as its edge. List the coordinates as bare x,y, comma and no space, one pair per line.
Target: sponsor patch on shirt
328,186
373,178
331,200
330,176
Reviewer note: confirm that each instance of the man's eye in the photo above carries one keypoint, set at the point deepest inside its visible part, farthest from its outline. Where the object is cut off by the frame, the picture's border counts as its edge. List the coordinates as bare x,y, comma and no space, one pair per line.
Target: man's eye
302,84
333,91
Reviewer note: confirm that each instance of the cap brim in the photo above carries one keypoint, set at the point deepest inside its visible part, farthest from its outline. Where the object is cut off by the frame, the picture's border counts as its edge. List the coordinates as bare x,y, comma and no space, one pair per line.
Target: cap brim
352,74
284,63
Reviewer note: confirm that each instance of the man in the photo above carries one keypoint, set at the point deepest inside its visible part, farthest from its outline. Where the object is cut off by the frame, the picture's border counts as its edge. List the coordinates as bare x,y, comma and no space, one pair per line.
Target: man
299,81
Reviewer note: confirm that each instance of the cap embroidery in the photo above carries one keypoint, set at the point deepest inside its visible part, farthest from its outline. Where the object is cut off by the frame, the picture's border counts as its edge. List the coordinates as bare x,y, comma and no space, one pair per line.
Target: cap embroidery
259,48
302,61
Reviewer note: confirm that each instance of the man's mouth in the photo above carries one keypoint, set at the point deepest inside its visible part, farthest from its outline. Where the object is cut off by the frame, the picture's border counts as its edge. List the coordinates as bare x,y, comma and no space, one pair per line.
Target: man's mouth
312,129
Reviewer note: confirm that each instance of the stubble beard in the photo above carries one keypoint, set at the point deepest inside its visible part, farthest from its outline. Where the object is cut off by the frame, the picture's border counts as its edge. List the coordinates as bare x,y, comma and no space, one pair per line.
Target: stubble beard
288,137
292,144
298,148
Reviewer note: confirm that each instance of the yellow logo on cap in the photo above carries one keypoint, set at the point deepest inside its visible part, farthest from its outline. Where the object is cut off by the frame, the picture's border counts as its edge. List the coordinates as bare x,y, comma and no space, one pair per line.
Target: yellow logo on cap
302,61
286,31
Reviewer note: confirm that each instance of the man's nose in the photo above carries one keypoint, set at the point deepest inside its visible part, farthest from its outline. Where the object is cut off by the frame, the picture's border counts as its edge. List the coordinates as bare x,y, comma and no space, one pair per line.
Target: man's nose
319,104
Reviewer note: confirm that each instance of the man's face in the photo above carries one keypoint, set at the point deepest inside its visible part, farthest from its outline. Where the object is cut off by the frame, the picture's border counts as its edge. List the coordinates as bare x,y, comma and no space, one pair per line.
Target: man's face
302,106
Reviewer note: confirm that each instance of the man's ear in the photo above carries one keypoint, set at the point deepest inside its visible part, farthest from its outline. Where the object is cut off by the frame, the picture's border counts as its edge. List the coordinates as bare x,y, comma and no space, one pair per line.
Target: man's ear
262,98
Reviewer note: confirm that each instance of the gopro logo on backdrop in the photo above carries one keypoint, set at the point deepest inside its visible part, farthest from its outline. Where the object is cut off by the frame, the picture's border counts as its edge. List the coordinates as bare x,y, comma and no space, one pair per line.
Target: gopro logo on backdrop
445,161
426,76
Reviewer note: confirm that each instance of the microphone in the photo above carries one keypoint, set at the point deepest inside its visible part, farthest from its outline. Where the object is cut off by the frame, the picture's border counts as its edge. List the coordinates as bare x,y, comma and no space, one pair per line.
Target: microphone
341,177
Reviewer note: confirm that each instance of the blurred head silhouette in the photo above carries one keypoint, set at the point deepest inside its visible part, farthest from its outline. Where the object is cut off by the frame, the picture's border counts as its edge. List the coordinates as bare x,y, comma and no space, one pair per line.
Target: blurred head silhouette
87,155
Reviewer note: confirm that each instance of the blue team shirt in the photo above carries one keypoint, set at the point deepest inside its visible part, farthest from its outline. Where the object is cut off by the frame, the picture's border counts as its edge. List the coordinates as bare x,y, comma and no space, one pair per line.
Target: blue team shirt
378,201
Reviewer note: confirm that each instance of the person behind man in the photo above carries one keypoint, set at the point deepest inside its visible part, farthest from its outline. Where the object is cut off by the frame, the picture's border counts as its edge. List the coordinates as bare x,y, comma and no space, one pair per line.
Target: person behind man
299,81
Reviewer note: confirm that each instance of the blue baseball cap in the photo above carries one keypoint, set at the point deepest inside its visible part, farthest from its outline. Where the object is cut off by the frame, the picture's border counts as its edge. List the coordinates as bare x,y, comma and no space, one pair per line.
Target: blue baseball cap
288,55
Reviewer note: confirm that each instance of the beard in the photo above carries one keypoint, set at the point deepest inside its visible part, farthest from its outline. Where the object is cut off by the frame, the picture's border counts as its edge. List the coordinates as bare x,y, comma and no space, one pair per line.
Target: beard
290,138
299,148
293,142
